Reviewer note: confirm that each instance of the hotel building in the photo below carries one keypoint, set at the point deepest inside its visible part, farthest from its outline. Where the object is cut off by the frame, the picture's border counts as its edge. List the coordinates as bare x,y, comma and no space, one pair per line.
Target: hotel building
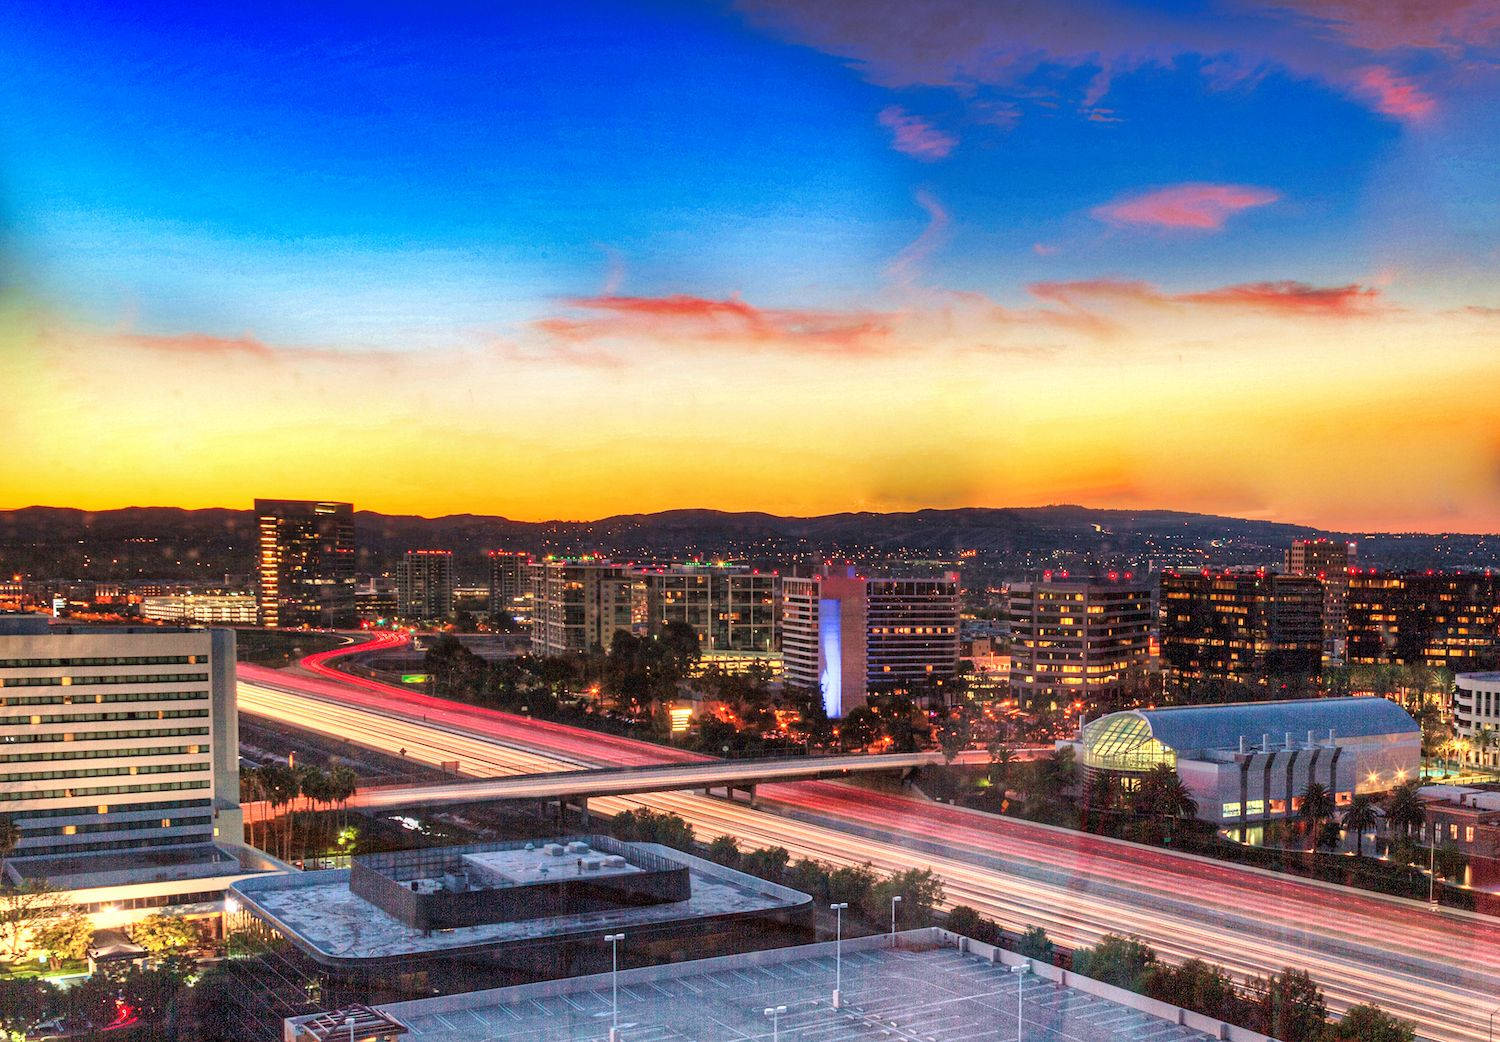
846,635
1443,621
119,755
1075,641
306,563
424,584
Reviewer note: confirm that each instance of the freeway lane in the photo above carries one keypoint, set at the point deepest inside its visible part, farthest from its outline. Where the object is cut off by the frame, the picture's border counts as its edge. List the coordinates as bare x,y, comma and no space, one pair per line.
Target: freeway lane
1425,967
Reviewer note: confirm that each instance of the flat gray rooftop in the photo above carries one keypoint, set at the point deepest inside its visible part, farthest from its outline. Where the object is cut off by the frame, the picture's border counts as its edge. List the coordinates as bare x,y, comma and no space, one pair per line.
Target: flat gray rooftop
890,995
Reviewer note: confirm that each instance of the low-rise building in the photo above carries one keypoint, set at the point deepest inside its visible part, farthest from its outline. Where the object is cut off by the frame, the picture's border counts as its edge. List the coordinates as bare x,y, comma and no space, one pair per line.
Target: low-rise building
1467,820
203,609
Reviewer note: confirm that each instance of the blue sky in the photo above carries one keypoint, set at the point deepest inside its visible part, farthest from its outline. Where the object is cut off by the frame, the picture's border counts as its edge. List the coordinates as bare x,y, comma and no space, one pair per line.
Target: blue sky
574,185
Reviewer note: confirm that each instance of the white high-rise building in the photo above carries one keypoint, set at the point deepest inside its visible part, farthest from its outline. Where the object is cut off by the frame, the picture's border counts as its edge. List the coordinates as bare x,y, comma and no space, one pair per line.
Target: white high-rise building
119,757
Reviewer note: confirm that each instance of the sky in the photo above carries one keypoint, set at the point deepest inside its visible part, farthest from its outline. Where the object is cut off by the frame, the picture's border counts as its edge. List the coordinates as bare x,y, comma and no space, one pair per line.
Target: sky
802,256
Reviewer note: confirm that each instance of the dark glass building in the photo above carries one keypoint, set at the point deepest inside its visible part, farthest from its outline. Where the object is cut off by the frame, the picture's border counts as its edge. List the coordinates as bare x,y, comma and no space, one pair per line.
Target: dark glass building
306,563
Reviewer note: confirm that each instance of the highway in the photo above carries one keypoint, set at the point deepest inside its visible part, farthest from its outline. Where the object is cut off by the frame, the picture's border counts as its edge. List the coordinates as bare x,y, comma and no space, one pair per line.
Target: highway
1438,969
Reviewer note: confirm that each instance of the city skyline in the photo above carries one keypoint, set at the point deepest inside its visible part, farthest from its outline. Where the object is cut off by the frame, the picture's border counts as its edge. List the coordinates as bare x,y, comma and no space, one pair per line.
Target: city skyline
1233,258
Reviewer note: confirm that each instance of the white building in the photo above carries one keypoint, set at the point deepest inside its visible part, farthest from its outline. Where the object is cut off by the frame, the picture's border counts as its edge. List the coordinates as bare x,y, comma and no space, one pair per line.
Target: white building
119,755
203,609
1476,715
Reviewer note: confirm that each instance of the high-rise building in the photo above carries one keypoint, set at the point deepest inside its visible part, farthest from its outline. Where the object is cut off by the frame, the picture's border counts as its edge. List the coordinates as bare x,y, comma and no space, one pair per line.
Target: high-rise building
306,563
844,634
1329,561
1434,619
1076,640
1244,629
731,609
120,755
424,584
510,583
579,603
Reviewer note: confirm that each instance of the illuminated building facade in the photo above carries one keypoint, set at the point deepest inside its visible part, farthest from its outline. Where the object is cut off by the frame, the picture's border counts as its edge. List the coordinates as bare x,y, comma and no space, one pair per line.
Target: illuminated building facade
1248,763
1330,561
306,563
1476,716
845,635
510,583
1444,621
731,609
1075,641
205,609
579,603
119,753
1222,630
424,584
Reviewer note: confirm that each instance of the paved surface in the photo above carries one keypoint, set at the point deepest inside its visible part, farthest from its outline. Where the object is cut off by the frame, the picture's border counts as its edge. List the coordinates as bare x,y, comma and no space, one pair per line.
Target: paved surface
892,996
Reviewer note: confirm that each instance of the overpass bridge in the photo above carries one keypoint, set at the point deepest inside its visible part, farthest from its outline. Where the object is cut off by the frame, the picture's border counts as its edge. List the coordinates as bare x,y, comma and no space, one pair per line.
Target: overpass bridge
574,788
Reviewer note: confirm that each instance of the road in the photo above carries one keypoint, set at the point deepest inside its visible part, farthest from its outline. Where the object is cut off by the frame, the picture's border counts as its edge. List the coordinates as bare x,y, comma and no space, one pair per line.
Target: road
1438,969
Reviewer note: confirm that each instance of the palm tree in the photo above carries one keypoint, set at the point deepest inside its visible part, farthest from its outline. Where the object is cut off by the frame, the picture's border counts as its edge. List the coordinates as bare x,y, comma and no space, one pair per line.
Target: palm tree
1316,809
1162,794
1403,808
1484,741
1359,818
343,783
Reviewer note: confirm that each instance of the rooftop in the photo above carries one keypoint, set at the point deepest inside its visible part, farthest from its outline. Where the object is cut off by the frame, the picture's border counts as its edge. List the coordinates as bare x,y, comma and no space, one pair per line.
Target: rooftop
921,992
322,916
1220,726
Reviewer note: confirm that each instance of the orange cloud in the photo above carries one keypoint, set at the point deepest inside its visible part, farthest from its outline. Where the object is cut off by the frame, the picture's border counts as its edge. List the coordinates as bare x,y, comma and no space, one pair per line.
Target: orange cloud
684,318
914,136
1201,206
1394,95
1283,297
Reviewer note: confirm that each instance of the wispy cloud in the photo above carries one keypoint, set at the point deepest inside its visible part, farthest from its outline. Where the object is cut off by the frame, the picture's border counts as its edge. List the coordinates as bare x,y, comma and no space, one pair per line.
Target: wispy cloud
1195,205
1394,95
914,136
1286,297
909,262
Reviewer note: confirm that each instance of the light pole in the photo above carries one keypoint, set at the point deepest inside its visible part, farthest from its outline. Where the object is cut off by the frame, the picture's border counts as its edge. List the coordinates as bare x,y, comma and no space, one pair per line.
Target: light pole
1020,971
614,940
1432,866
1493,1014
775,1012
838,952
895,900
349,1023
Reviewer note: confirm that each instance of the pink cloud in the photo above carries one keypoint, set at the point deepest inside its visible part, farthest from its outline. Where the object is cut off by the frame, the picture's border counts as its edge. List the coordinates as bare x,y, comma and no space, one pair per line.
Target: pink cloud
1384,25
910,261
1043,249
1394,95
1193,205
1285,296
914,136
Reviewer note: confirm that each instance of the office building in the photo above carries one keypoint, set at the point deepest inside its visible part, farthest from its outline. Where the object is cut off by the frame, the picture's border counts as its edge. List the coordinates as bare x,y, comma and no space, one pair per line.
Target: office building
424,584
119,754
306,563
846,635
1331,562
579,603
1248,763
202,609
1433,619
375,599
510,583
1076,641
730,609
1476,717
1225,633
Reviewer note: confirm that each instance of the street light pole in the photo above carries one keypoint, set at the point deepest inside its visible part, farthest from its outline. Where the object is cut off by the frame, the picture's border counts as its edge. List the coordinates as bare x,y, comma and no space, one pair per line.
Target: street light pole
895,900
349,1023
614,940
1432,866
1020,971
775,1012
1493,1014
838,953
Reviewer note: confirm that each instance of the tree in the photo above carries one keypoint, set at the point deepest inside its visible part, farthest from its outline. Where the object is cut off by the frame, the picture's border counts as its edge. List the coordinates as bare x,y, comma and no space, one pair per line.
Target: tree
1035,944
1359,818
1002,756
24,909
725,850
66,936
25,1002
1403,808
1315,810
1162,795
1199,986
1367,1023
164,933
1289,1006
954,735
767,863
10,838
1121,961
920,891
